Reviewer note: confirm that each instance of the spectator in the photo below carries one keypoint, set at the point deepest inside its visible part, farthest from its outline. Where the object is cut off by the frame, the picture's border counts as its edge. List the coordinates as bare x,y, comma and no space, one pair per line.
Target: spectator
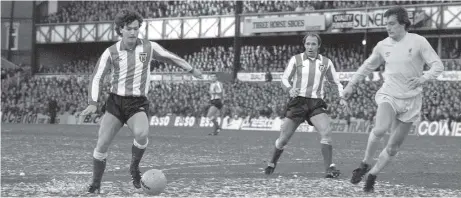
268,76
52,109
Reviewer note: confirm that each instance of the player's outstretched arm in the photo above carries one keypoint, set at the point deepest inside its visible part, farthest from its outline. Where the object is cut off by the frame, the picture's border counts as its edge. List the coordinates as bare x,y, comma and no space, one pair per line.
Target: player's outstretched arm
94,88
161,54
368,66
287,76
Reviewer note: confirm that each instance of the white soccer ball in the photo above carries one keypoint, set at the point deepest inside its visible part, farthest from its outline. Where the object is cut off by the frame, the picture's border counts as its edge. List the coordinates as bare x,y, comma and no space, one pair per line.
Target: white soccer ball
153,182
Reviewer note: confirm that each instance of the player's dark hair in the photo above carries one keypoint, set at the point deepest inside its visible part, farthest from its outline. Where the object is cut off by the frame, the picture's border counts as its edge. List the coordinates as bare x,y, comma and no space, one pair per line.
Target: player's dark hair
125,17
402,15
319,40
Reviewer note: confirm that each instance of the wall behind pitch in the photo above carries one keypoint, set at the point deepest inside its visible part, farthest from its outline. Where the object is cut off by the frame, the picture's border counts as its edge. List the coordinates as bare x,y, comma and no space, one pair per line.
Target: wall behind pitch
22,18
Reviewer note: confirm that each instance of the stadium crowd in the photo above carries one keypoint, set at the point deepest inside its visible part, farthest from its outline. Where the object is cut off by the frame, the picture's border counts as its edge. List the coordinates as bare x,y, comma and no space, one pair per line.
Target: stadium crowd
345,57
69,94
80,65
8,73
88,11
442,99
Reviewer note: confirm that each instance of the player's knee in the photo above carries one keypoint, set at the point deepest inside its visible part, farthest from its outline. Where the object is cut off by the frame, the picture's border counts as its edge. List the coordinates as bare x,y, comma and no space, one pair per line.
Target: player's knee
324,130
322,126
140,131
325,134
211,117
211,111
281,143
379,131
99,155
381,128
326,138
392,150
374,138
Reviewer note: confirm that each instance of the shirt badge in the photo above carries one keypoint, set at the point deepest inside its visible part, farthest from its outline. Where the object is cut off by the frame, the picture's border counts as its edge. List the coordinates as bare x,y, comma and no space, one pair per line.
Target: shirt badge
143,57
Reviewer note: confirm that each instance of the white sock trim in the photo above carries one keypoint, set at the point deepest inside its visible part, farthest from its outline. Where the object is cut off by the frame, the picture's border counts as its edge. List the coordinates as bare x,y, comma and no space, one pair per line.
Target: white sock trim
277,145
326,141
99,156
141,146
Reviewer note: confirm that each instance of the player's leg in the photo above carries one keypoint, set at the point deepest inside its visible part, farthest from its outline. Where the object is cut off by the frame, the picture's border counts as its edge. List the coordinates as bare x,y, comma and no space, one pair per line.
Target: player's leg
321,122
294,116
385,116
109,127
212,116
217,115
399,131
139,125
288,128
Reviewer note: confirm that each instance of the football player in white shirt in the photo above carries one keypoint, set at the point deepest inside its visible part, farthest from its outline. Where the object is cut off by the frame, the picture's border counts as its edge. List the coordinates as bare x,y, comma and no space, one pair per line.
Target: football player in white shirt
216,95
399,99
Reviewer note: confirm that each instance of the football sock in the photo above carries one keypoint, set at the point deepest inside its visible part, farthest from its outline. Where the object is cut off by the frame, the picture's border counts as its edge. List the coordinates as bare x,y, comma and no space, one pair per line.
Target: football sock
276,155
137,151
327,152
372,146
383,160
215,123
98,170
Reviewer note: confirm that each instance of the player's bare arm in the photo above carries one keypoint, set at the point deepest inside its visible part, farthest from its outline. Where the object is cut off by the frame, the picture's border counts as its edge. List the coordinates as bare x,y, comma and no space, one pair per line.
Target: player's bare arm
432,60
165,56
370,65
287,77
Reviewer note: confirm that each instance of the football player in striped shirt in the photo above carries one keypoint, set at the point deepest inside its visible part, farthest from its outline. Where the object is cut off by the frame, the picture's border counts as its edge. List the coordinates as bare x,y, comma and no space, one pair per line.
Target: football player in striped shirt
128,61
216,96
399,99
303,80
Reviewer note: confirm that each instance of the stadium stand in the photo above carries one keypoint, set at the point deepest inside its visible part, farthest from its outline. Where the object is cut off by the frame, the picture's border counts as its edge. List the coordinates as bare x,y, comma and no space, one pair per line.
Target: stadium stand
87,11
10,72
78,65
346,57
441,101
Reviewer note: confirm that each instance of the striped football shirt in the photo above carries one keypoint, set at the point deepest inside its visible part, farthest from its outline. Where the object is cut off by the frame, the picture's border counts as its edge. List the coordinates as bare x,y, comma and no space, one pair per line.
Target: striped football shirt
309,74
216,90
129,69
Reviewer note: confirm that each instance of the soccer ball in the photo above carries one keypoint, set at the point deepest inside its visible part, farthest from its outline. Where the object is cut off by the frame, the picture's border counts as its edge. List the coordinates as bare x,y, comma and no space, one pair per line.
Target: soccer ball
153,182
